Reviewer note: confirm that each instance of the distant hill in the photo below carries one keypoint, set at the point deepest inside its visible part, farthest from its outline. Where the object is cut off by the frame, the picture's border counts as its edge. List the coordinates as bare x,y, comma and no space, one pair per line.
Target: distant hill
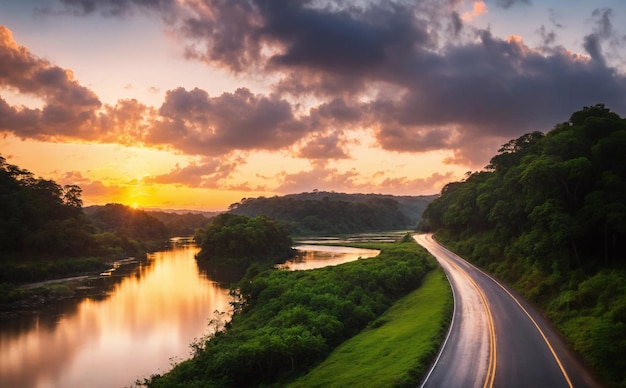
183,224
177,222
322,212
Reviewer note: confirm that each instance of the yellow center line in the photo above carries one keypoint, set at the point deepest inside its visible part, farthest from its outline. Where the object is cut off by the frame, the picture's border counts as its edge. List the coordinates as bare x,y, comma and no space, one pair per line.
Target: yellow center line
545,339
491,367
489,379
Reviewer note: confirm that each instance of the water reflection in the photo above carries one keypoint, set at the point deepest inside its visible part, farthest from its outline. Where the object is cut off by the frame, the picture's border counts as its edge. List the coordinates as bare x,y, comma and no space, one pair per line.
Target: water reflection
140,318
317,256
224,275
147,319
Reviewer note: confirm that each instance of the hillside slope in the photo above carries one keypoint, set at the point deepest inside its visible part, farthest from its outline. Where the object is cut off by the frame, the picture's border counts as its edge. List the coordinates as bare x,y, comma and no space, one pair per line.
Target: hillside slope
548,215
337,213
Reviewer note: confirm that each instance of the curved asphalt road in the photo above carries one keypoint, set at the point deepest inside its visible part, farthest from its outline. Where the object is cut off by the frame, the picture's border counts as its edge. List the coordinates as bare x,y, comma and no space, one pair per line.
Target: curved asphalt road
496,338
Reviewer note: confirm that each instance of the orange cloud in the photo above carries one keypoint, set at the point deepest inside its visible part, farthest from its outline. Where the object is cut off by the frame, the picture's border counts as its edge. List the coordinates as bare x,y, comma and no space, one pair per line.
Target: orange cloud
478,8
69,108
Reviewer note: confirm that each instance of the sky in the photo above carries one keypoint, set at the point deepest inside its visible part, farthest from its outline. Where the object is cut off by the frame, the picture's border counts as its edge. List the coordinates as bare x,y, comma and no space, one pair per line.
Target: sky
196,104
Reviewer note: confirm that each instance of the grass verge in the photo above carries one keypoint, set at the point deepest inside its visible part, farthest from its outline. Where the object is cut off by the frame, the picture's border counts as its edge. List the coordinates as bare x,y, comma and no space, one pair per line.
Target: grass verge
397,348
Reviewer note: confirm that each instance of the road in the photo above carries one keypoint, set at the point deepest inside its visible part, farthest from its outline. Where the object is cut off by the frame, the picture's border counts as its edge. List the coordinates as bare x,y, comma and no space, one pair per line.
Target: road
496,339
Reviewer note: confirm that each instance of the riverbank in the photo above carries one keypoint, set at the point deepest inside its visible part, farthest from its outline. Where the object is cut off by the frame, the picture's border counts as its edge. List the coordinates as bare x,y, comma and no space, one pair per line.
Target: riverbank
30,297
285,323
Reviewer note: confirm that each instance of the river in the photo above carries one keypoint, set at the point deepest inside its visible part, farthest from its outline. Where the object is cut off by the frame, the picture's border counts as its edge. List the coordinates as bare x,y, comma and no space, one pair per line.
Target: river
142,321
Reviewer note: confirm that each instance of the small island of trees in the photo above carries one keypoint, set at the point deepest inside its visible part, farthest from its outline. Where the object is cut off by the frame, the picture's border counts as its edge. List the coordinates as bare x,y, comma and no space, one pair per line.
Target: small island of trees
240,241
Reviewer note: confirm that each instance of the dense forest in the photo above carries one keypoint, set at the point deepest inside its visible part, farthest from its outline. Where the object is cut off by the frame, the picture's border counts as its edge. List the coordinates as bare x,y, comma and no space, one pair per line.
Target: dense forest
39,216
240,241
46,233
286,322
326,213
548,214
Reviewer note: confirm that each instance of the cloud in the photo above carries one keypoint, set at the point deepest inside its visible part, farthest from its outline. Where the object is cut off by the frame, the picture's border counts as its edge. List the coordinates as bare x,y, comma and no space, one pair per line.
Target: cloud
188,121
509,3
548,37
604,32
478,8
350,40
125,123
321,176
69,108
346,38
491,88
210,173
406,186
412,139
425,89
554,18
411,73
93,190
194,122
298,34
456,23
324,147
114,8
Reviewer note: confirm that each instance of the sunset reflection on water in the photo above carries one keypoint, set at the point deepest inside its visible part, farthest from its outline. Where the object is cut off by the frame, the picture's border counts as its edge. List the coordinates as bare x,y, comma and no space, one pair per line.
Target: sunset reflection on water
317,256
147,320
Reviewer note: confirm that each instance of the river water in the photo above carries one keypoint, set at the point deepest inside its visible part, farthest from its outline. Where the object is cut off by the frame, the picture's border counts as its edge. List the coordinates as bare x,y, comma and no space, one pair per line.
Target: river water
141,320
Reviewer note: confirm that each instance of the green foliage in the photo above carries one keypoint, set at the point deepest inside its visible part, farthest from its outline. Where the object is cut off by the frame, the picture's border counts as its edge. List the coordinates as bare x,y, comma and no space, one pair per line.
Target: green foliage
241,241
9,293
182,224
39,216
134,231
129,222
549,215
321,213
396,348
37,269
286,322
45,234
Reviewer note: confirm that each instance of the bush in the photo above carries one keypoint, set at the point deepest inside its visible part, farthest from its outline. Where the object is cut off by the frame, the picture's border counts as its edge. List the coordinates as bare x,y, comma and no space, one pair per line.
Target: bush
286,322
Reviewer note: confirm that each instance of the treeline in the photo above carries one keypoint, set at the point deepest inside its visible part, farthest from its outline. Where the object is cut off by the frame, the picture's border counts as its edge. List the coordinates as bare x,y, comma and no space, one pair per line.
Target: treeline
182,224
38,215
548,214
285,322
146,224
45,233
319,213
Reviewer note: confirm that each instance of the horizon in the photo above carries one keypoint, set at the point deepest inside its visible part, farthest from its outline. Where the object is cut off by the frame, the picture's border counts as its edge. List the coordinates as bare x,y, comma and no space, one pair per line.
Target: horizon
204,210
196,105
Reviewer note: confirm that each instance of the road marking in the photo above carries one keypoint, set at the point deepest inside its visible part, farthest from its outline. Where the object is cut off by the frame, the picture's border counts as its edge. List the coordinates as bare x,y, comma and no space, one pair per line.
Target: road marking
491,367
545,339
558,361
445,341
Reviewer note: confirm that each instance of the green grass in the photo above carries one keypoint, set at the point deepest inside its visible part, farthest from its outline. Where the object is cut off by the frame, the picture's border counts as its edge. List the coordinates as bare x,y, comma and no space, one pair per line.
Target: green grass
397,348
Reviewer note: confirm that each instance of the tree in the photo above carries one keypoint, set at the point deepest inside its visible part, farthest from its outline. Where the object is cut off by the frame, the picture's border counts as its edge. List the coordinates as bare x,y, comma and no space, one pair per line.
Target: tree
240,241
71,196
